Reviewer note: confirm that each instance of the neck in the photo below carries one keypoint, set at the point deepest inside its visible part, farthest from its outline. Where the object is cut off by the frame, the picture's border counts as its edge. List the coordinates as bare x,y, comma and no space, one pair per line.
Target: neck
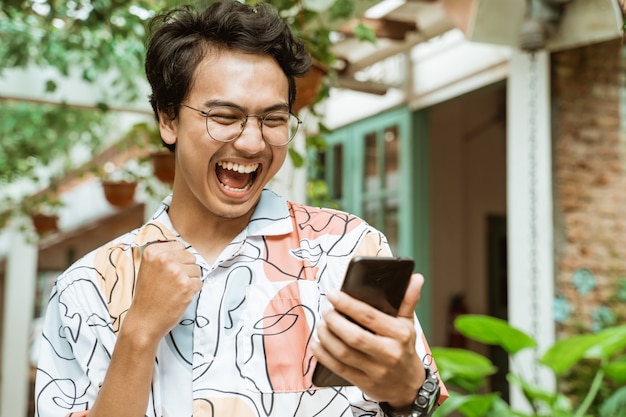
207,233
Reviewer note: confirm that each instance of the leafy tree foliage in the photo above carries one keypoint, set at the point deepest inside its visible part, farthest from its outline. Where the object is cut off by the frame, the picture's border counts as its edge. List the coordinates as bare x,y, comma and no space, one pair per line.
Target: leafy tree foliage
41,134
84,38
95,37
97,40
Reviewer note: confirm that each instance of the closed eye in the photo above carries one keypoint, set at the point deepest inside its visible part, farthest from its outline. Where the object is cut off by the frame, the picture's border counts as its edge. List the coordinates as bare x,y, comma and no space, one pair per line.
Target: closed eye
276,119
225,119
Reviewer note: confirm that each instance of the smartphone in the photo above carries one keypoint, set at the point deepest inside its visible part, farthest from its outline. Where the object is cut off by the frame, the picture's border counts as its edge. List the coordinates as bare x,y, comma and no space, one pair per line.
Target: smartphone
379,281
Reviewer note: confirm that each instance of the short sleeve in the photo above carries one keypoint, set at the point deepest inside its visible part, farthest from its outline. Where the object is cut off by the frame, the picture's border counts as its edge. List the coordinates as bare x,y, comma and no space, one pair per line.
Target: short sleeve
75,347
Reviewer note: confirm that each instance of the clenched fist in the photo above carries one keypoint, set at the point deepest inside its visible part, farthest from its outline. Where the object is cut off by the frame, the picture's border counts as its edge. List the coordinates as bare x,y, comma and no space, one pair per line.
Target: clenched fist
167,282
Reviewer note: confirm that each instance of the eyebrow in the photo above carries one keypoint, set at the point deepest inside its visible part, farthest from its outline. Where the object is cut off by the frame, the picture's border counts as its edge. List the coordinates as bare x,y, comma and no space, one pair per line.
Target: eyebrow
226,103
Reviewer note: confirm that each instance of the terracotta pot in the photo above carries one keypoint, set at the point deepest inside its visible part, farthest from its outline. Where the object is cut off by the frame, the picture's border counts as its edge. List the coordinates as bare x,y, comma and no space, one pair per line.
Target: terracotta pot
308,87
163,164
119,193
45,223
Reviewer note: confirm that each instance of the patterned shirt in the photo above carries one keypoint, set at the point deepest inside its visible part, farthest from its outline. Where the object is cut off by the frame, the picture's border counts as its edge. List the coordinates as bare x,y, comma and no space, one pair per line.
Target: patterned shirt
242,347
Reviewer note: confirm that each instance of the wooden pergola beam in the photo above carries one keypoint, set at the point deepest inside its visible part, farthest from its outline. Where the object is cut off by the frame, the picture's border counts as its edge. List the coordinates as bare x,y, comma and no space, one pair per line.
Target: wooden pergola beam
384,28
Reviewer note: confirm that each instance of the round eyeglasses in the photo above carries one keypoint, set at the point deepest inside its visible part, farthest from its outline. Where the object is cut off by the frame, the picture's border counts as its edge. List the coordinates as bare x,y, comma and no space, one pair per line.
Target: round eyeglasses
226,124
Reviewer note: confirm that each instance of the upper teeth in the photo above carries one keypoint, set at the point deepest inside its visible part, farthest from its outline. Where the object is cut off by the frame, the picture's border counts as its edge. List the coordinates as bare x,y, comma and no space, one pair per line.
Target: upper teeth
242,169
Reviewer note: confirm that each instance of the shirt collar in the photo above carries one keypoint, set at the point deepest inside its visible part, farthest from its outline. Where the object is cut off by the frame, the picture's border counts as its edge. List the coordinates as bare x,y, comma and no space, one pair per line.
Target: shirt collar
271,217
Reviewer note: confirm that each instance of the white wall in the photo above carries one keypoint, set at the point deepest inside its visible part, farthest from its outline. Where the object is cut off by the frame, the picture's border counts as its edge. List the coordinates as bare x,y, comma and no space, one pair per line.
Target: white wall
29,84
19,301
468,183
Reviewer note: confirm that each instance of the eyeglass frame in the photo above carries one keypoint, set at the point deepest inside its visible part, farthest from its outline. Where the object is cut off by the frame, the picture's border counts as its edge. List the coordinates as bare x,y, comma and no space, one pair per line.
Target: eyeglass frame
260,117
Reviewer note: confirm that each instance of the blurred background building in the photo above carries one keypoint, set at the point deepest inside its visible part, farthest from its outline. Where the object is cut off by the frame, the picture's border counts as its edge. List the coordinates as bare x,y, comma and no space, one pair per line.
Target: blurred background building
484,137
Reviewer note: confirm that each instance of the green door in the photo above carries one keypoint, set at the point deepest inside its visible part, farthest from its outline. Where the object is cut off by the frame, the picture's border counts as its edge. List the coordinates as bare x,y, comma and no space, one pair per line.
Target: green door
377,170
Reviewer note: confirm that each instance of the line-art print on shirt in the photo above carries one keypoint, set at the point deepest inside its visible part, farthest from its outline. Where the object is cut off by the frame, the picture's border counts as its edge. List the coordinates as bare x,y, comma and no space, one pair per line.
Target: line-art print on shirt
242,347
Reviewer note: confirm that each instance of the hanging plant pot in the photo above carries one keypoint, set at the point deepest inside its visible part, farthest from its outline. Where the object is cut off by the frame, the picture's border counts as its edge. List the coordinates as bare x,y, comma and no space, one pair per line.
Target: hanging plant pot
308,87
163,164
45,223
119,193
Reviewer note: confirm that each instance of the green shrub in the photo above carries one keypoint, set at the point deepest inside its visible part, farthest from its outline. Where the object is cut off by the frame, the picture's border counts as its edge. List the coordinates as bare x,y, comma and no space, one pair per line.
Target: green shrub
465,372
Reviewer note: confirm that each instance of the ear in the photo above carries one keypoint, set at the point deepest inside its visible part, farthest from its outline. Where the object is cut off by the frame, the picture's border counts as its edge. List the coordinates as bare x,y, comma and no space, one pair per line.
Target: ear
168,128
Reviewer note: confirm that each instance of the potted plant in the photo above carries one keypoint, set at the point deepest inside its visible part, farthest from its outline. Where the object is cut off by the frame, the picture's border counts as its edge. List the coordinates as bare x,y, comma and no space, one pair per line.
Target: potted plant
308,87
43,212
315,21
45,223
119,184
147,136
163,165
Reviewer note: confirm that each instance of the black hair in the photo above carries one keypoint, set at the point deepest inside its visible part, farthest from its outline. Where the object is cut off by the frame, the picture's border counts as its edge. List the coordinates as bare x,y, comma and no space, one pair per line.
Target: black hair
181,38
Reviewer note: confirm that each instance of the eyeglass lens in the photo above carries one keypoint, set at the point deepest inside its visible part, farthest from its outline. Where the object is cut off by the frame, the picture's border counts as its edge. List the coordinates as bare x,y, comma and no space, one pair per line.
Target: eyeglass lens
225,124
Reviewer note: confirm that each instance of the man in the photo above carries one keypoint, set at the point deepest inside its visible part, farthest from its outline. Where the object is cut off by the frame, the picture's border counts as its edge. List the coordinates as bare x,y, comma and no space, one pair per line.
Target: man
219,305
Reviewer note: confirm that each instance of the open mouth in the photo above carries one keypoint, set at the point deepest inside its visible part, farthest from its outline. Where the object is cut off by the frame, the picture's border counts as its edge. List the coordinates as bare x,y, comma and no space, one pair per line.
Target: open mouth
236,177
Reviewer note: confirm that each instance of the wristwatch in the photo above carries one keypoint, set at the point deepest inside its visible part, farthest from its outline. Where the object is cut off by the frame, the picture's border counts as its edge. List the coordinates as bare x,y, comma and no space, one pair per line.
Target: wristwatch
426,401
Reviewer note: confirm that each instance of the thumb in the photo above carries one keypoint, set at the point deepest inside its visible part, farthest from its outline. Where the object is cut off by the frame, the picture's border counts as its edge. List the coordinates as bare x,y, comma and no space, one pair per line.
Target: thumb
411,296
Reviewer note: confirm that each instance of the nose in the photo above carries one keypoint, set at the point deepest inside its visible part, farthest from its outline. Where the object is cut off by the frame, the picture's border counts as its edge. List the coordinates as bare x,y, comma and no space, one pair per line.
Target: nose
251,138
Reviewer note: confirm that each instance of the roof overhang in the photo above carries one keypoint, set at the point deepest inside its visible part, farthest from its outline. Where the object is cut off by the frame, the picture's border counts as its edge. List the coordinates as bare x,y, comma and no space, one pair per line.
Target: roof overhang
399,26
402,24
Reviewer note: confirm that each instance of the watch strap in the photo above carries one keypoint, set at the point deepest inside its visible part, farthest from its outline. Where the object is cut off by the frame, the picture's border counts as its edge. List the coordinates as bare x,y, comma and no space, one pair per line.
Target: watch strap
425,402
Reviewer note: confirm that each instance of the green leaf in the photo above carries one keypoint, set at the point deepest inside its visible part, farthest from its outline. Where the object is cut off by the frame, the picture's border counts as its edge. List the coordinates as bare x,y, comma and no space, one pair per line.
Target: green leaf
341,9
468,405
535,394
102,106
462,362
501,408
316,142
365,33
611,341
479,405
615,405
566,352
616,370
451,404
51,86
325,130
296,158
494,331
57,128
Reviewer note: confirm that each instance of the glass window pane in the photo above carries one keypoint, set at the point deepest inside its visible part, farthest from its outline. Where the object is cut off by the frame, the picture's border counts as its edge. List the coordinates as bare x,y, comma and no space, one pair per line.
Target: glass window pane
317,167
371,163
392,228
370,212
338,177
392,152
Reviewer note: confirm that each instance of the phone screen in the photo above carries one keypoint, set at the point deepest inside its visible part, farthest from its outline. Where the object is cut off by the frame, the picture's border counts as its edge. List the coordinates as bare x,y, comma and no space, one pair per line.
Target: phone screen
378,281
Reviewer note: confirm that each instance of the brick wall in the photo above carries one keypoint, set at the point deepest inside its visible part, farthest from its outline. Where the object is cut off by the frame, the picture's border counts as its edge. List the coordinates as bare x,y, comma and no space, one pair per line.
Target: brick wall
590,186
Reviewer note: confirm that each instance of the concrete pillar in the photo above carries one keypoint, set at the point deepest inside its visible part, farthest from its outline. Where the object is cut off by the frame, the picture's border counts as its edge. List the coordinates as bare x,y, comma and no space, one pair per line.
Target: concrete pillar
19,301
530,214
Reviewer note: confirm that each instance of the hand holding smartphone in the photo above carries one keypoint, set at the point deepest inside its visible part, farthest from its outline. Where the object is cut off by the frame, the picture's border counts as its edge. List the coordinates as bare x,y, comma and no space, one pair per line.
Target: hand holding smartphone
379,281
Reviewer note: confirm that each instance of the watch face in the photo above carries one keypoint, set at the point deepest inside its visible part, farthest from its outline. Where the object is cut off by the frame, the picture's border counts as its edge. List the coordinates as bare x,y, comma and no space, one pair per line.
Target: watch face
427,397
